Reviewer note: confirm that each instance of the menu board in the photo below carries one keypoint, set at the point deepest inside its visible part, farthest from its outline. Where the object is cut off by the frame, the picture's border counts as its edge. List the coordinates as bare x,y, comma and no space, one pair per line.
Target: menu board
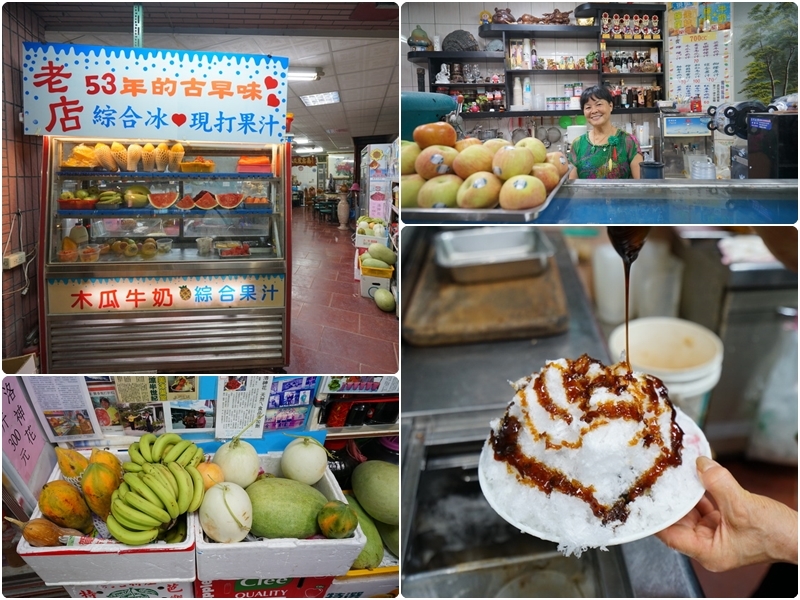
699,52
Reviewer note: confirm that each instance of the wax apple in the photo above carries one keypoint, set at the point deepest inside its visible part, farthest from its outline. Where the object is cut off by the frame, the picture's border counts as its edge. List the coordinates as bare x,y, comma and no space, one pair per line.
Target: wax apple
471,160
559,161
409,151
467,142
548,174
512,160
409,189
439,191
536,146
435,134
521,192
435,160
479,190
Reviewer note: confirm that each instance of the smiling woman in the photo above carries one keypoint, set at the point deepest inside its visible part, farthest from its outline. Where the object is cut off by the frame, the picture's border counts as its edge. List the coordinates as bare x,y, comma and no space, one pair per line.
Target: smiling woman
604,152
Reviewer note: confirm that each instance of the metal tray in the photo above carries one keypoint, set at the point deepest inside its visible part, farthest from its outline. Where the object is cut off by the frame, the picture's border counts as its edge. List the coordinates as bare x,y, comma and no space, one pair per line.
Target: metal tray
478,215
493,253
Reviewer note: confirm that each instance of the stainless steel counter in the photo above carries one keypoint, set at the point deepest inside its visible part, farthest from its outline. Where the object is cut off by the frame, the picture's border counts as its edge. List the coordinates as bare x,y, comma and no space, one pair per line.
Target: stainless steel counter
449,396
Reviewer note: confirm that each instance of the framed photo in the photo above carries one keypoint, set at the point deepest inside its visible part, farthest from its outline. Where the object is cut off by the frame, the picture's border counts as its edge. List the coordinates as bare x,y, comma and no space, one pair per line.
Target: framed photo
341,166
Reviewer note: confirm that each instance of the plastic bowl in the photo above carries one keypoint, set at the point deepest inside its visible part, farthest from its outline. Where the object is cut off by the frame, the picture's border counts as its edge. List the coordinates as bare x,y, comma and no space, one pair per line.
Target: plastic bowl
164,246
67,256
90,253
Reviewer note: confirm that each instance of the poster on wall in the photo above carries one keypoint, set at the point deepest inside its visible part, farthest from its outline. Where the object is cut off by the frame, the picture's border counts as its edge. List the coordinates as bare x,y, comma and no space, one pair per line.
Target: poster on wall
64,408
700,52
109,92
341,166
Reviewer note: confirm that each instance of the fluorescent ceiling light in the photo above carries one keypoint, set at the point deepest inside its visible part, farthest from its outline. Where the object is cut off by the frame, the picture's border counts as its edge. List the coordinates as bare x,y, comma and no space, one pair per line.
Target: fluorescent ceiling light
301,140
319,99
300,74
309,150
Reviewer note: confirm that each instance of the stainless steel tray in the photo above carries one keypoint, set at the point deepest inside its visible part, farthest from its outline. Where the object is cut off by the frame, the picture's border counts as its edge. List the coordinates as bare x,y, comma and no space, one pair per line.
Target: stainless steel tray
478,215
493,253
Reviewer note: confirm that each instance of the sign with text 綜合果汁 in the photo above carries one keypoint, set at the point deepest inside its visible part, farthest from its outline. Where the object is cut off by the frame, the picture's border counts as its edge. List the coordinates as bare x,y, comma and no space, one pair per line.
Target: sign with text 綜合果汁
109,92
125,294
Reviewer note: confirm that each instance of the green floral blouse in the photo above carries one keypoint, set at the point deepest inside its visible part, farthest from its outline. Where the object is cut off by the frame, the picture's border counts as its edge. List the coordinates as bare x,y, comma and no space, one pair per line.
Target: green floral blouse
611,160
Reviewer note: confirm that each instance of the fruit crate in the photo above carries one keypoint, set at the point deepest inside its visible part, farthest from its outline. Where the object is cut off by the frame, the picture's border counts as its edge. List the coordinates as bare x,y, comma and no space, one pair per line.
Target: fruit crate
282,558
377,272
364,241
111,564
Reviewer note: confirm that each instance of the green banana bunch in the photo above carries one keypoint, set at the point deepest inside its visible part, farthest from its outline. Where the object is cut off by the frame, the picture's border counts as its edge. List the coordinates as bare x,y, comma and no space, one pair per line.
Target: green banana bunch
109,199
160,485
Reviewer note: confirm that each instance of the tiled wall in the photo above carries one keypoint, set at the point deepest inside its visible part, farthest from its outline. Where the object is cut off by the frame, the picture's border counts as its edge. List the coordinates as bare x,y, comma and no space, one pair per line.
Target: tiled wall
21,180
441,18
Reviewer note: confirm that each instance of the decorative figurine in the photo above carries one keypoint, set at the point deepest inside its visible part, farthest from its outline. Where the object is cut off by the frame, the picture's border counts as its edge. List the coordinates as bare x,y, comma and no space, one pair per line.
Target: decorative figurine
443,76
646,25
616,24
503,16
654,26
419,40
627,26
605,24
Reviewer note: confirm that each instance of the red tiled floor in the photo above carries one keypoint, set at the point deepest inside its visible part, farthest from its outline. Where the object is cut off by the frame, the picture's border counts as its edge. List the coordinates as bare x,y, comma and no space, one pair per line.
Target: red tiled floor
334,328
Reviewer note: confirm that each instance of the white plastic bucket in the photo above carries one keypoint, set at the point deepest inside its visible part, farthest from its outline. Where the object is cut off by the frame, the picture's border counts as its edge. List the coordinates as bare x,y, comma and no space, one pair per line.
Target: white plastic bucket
686,356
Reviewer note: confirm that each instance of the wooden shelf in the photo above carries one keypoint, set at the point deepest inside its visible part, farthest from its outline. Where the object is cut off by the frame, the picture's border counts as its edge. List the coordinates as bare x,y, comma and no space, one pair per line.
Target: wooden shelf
624,75
525,72
494,30
421,58
622,42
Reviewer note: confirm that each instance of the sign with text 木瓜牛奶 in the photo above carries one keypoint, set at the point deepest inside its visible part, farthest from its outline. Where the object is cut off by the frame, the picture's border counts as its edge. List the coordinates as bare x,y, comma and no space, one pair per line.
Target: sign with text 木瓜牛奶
110,92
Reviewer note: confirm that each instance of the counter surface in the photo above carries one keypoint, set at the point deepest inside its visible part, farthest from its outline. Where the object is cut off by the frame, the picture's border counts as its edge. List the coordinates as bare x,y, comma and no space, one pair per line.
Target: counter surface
661,202
477,375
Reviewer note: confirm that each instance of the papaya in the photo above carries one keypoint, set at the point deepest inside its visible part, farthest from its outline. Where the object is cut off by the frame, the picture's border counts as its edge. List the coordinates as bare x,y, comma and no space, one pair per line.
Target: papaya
98,484
71,463
376,484
372,554
337,520
42,533
108,459
60,502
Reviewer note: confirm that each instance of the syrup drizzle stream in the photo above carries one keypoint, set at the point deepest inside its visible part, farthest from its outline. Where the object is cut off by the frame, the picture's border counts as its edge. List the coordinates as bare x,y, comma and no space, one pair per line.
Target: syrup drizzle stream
628,242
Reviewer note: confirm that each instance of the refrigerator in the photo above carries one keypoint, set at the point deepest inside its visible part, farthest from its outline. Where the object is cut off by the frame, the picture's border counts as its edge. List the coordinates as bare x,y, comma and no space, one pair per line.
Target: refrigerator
158,270
375,179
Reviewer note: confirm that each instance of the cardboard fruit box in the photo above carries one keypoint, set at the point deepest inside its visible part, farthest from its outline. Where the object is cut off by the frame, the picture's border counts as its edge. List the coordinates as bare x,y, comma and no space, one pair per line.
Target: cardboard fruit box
110,564
182,589
298,587
283,558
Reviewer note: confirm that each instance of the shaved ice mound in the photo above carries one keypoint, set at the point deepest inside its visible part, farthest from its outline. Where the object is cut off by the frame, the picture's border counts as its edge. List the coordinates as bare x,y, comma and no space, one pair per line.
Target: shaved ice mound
589,455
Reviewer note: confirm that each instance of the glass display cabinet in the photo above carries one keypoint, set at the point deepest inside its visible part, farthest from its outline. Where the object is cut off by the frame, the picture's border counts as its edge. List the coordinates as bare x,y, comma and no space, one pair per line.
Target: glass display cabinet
164,257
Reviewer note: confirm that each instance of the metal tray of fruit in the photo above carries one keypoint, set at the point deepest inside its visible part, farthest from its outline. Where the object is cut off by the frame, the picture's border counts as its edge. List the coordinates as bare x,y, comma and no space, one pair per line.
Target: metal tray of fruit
479,215
476,254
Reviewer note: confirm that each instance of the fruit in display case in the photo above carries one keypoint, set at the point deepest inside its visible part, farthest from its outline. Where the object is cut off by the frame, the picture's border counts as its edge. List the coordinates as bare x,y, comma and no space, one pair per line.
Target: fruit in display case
548,173
105,158
230,200
162,156
148,157
559,160
162,200
131,249
120,155
136,196
197,165
185,203
471,160
134,156
149,250
494,144
467,142
72,464
98,483
205,200
89,253
175,157
81,157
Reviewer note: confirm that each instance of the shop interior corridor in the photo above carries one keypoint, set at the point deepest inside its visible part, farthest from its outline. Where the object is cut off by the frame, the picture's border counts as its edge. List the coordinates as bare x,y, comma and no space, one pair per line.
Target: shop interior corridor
333,328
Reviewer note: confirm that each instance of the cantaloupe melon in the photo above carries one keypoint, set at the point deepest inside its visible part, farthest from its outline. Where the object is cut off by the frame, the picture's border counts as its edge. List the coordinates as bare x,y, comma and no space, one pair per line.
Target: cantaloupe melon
376,485
283,508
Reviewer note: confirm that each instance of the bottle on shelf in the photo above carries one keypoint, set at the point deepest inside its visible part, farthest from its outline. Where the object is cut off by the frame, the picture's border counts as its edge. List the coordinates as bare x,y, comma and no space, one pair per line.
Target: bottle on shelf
526,53
517,97
527,96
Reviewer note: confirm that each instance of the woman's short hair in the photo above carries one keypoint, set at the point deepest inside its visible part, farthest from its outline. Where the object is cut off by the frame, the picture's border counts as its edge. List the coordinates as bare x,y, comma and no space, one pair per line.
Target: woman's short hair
596,92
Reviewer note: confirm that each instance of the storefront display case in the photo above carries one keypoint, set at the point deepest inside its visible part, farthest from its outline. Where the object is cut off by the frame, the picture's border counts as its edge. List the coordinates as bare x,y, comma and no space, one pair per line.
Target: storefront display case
183,268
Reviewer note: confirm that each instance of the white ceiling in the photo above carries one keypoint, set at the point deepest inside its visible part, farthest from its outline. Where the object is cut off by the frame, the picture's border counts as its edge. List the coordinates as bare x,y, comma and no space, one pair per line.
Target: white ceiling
363,70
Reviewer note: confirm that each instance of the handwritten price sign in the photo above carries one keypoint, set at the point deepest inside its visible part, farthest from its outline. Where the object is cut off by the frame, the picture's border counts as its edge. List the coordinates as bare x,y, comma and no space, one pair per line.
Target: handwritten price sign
94,91
23,439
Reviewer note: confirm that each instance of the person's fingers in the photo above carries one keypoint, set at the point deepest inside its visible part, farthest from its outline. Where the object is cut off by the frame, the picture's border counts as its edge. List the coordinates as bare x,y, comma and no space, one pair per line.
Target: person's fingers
720,484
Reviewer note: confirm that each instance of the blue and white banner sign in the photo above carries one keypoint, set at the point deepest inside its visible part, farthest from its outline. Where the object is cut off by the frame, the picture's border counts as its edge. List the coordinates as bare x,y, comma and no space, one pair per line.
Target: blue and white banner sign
109,92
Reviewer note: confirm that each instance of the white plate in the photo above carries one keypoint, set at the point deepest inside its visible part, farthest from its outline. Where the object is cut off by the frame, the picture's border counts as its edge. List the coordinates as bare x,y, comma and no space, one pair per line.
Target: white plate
694,443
